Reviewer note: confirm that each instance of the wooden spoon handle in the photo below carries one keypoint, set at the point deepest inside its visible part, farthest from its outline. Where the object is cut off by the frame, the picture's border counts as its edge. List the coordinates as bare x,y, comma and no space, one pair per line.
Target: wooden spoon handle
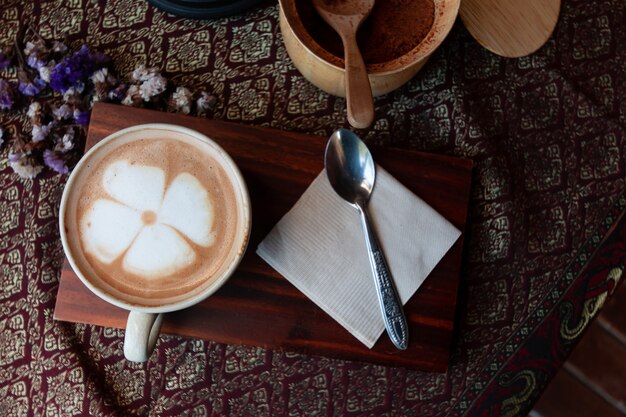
359,99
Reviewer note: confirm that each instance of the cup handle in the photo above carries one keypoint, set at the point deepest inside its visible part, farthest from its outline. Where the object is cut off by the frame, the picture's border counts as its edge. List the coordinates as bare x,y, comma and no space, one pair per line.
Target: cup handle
142,332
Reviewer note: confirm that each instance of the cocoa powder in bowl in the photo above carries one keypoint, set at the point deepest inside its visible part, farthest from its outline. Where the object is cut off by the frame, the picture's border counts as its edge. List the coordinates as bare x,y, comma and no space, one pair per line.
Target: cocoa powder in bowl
393,28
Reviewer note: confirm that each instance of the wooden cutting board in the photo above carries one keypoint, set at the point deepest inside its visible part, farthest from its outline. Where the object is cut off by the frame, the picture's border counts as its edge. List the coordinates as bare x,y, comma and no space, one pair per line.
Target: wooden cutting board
511,28
257,306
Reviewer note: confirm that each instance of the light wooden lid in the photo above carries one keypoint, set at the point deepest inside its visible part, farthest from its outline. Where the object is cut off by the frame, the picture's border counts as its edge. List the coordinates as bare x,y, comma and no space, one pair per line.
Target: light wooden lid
511,28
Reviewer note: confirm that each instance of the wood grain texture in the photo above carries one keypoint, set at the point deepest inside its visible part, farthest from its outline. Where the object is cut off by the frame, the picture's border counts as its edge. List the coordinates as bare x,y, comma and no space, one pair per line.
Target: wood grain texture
346,18
511,28
259,307
598,361
566,396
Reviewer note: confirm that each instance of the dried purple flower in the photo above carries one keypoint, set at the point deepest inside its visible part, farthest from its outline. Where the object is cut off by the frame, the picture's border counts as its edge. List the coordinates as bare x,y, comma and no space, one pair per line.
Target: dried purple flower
76,69
6,95
81,117
31,87
54,161
84,78
24,165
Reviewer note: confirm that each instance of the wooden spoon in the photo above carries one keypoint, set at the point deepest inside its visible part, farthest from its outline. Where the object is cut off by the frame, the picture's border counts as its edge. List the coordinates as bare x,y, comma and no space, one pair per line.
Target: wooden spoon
511,28
346,16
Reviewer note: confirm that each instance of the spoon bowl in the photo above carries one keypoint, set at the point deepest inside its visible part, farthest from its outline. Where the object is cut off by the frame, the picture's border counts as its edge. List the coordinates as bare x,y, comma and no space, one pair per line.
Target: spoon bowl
352,174
350,167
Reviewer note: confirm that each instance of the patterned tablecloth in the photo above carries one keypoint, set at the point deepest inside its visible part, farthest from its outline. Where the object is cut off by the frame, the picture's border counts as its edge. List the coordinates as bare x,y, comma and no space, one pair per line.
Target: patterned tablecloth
547,134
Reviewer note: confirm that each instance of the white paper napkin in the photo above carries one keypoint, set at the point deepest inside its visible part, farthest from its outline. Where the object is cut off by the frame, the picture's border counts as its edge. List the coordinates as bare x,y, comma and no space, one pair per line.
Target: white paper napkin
320,248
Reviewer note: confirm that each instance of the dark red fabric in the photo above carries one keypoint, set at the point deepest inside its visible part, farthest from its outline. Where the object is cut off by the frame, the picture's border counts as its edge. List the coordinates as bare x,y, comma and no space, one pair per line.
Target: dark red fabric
547,134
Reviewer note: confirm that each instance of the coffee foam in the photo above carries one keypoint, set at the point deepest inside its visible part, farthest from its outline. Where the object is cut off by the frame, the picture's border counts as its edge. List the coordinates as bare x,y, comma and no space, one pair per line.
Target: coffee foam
156,219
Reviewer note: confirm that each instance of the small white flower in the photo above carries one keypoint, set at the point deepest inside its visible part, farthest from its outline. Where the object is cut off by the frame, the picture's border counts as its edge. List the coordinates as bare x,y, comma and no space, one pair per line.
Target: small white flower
182,100
100,76
44,71
141,73
66,143
40,132
28,48
25,167
1,135
152,87
63,112
34,109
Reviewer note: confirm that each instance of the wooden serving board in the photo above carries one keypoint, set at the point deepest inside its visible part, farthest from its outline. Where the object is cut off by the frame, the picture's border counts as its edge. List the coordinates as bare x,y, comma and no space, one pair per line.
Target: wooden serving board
511,28
257,306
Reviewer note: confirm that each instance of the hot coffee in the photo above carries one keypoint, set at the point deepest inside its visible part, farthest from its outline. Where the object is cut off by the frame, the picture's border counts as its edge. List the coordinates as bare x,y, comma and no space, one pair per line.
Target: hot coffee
156,218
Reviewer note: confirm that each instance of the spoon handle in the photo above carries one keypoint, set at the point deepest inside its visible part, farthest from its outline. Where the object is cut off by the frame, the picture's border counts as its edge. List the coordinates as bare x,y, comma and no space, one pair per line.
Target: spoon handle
390,305
359,101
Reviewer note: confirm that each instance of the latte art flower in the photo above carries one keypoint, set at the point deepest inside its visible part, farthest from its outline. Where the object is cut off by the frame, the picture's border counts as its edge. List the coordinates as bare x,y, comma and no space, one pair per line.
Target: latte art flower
151,228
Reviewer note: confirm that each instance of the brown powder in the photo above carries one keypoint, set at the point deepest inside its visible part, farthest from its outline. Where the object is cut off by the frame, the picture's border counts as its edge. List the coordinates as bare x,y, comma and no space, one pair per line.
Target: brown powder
392,29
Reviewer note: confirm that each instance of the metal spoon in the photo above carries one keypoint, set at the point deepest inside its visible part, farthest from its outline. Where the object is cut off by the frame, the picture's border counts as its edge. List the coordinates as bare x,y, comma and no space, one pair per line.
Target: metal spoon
345,16
351,172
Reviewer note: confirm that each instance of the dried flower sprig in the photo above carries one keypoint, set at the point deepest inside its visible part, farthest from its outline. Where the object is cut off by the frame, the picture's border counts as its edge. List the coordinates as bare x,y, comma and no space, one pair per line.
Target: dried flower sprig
57,89
6,95
6,57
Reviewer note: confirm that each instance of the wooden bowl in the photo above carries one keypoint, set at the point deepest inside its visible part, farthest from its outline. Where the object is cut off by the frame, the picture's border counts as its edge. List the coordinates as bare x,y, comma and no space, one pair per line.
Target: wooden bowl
323,69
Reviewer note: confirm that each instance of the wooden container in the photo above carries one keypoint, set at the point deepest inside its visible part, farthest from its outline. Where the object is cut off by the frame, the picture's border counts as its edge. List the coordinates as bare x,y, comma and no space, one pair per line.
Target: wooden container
511,28
316,64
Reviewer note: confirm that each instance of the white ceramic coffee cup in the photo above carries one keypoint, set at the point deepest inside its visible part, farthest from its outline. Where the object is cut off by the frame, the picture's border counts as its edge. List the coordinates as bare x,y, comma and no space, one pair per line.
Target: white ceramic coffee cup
144,322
